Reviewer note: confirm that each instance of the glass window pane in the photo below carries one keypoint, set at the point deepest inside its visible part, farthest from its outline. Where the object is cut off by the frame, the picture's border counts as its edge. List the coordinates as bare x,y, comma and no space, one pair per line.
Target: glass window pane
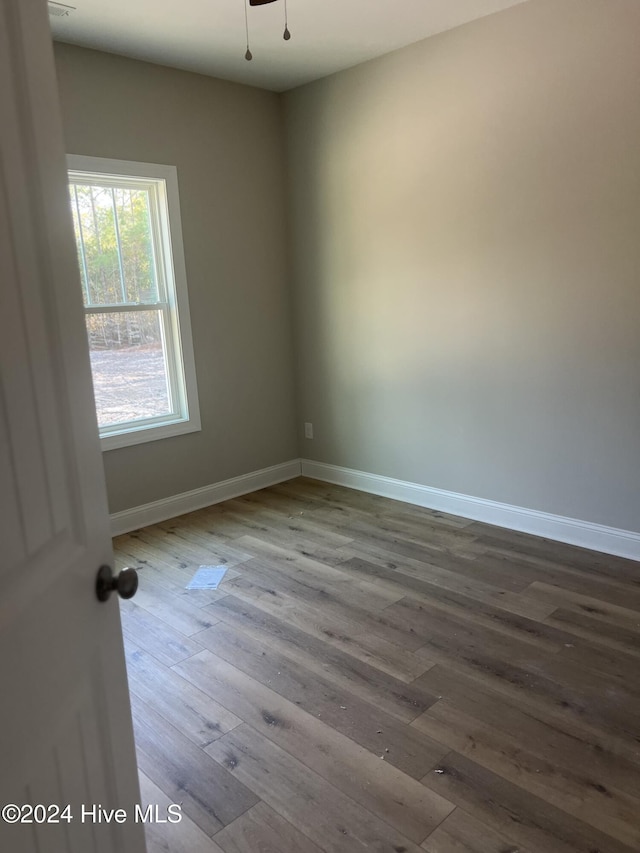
79,242
129,365
113,233
138,264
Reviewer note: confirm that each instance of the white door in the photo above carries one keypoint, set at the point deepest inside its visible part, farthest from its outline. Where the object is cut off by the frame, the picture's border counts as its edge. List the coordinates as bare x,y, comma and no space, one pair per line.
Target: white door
65,724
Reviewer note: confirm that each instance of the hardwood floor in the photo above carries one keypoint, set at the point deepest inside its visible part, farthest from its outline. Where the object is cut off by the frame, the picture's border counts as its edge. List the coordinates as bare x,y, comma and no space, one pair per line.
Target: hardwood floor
376,676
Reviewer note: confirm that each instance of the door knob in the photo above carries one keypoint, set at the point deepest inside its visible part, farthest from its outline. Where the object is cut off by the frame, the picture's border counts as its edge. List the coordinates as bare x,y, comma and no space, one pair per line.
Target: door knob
125,583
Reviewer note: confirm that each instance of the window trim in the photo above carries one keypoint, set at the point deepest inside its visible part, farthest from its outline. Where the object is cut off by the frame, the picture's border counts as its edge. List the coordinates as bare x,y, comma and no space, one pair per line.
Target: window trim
171,250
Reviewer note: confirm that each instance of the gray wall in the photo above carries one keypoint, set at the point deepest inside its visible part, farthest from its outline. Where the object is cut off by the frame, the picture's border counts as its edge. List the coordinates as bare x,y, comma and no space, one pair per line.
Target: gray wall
466,260
226,141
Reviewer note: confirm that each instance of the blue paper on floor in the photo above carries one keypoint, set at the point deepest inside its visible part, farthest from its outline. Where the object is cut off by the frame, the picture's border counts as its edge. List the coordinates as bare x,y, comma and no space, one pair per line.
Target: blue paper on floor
207,577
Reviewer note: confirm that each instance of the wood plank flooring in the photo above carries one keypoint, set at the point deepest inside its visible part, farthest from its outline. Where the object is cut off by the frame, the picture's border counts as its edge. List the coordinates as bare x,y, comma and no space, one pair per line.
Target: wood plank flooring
375,676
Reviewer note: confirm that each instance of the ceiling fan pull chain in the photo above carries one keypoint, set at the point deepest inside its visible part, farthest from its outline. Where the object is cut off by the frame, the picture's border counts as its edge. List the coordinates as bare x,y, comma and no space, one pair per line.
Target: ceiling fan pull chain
248,55
287,35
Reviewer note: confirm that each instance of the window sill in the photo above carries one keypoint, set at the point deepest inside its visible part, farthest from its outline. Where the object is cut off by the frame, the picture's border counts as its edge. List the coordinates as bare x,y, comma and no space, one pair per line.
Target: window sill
130,437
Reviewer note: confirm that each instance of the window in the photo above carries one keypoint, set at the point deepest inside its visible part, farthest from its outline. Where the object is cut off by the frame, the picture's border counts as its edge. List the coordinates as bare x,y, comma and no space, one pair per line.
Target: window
126,219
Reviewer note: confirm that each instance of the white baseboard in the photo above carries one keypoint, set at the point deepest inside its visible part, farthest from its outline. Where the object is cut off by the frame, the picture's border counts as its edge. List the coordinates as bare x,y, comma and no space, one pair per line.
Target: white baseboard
596,537
152,513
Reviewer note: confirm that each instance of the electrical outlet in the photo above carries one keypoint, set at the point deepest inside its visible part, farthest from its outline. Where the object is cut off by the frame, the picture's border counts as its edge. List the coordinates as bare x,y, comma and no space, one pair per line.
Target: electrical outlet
308,430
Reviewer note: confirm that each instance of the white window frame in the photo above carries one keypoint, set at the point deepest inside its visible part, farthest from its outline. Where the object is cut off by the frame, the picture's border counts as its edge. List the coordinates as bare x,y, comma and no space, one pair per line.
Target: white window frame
162,181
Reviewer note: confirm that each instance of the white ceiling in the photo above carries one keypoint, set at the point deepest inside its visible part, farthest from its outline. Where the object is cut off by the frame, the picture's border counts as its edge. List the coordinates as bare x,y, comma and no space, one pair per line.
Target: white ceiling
208,36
